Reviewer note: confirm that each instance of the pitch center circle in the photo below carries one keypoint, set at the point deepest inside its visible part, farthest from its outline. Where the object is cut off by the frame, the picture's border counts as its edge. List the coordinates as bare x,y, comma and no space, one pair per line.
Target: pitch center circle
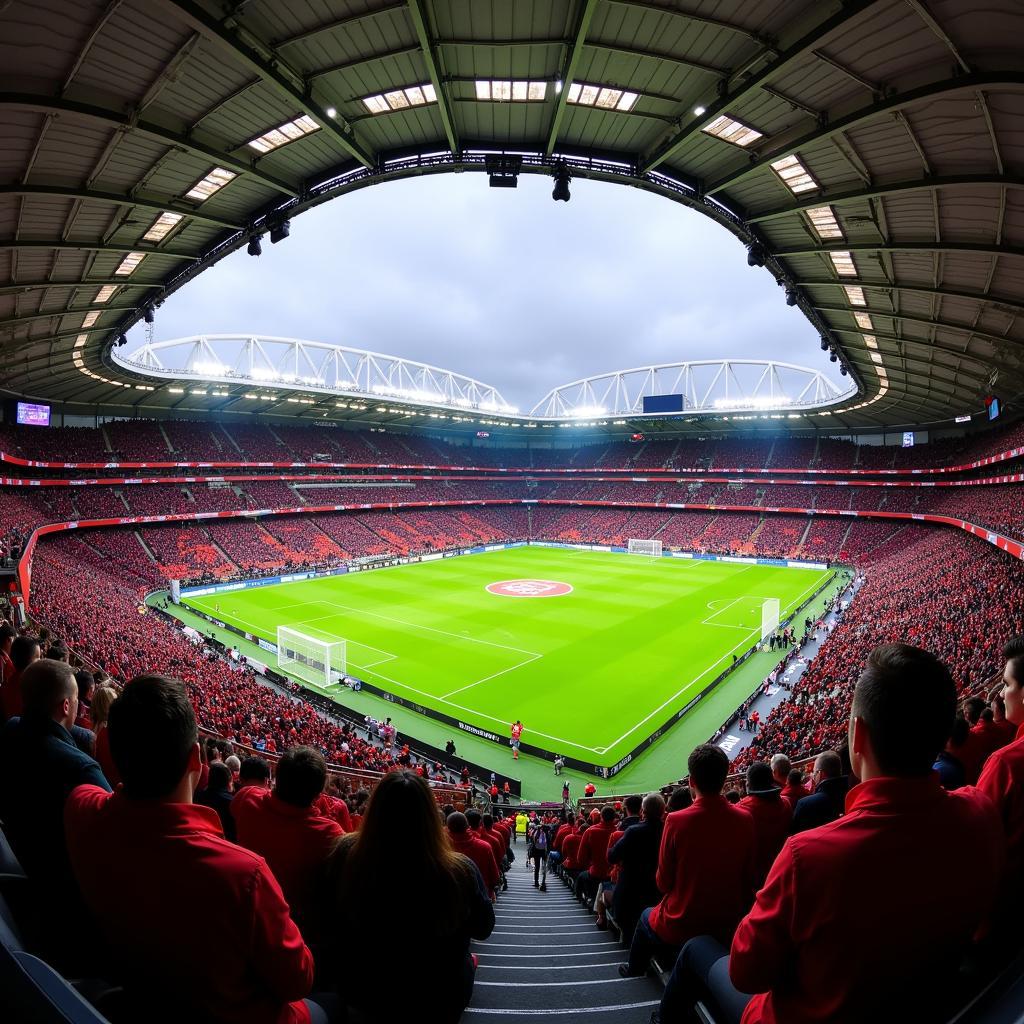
529,588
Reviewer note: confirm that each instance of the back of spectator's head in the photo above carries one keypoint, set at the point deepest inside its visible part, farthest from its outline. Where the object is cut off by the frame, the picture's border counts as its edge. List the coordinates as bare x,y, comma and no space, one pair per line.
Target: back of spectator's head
488,821
153,736
781,766
903,711
457,823
57,651
633,804
795,777
103,698
234,762
86,684
733,796
301,776
254,771
219,778
708,766
49,690
24,650
679,799
473,817
828,764
607,815
973,707
653,807
958,736
761,780
7,635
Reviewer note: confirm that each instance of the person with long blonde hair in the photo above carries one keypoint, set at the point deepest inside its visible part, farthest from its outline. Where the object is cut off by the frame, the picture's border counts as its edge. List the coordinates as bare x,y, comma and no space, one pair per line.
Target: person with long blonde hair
396,882
102,699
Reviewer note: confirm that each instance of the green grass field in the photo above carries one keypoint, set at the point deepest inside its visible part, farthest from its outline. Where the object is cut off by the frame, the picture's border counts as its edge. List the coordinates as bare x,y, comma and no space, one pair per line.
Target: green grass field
590,673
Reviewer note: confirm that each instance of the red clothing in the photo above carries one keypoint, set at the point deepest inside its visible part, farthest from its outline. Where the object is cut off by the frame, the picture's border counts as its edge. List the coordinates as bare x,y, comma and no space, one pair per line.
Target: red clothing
10,696
571,850
705,870
480,853
860,917
593,853
972,754
991,736
496,841
563,831
104,757
793,793
200,924
1002,781
772,818
331,807
294,841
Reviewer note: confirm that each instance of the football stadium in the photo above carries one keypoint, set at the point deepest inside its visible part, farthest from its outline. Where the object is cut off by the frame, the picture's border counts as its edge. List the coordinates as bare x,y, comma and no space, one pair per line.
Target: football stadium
538,482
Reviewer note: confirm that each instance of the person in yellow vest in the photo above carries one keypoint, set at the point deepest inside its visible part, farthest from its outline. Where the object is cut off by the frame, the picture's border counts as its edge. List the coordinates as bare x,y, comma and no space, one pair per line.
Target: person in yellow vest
521,823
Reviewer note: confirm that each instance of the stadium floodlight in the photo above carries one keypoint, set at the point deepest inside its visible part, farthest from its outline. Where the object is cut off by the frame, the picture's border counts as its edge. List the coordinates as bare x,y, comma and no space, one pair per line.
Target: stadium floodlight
148,315
560,193
635,546
824,344
755,255
699,110
280,231
320,662
791,296
843,370
503,170
832,356
254,247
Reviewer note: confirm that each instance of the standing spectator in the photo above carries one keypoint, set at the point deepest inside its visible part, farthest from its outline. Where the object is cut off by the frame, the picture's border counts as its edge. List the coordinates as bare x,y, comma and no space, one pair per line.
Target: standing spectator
254,772
771,813
284,828
636,856
465,841
262,968
399,872
705,869
24,651
781,767
825,804
847,927
217,796
794,790
86,688
590,789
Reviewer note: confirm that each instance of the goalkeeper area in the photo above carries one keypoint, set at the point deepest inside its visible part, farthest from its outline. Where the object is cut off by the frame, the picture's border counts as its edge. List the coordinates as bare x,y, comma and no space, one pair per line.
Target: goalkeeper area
593,651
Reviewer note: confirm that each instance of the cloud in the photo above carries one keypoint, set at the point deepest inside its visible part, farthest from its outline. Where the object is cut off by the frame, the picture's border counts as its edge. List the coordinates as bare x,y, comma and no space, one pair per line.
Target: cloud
503,285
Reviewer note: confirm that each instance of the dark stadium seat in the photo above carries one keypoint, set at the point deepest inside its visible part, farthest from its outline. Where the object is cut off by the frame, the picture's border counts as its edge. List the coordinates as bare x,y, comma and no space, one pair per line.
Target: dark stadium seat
34,993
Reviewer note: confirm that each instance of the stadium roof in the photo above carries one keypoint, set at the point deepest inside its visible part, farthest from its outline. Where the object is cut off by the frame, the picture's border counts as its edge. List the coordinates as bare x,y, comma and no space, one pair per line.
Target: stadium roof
872,150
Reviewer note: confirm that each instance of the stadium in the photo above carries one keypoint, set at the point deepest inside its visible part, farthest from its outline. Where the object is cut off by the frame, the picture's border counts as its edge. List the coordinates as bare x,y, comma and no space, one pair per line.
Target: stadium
689,690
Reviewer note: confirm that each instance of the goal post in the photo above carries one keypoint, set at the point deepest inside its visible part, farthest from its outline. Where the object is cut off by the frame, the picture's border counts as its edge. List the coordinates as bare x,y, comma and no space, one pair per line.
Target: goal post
317,661
644,547
769,616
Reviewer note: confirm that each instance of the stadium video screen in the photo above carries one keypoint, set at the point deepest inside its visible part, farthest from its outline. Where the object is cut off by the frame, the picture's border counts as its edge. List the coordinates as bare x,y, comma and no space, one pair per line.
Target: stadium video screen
663,403
993,407
33,415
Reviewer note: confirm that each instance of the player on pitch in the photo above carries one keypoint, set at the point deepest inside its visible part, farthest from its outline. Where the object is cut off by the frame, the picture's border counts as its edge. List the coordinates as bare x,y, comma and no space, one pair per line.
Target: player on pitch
517,731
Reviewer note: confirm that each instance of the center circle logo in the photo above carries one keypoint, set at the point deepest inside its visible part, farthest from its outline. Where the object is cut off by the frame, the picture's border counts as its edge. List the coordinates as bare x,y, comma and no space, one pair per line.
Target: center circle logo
529,588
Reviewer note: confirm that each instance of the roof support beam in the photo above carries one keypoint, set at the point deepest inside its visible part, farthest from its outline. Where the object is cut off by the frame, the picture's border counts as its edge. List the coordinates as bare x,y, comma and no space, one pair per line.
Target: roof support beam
994,300
810,250
98,246
701,19
115,119
800,48
688,62
14,288
572,61
115,199
888,105
893,188
402,51
420,20
993,339
272,71
330,26
57,313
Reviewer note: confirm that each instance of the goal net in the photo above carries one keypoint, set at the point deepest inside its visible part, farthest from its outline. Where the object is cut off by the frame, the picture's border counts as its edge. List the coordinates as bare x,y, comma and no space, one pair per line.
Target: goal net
644,547
321,662
769,616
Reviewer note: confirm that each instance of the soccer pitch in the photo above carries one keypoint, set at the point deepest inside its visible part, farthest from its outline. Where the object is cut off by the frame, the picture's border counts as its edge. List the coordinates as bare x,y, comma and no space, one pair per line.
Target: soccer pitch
590,673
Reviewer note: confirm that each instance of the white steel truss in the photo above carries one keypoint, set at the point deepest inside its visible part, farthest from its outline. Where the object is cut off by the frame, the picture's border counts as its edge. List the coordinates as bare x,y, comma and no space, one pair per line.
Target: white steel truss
706,386
311,366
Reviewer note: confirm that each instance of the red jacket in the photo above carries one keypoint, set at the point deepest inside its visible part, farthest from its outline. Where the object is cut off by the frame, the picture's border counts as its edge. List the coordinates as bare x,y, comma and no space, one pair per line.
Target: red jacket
563,831
571,851
1002,781
772,817
294,841
496,841
705,870
10,696
198,923
860,917
331,807
793,793
593,853
480,853
973,753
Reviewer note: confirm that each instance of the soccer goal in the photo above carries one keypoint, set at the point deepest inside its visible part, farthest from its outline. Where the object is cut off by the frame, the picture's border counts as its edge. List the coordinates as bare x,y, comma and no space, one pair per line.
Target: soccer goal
769,616
644,547
321,662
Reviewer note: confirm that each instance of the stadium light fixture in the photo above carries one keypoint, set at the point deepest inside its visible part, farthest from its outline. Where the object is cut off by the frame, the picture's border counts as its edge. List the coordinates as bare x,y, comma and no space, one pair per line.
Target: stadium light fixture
728,129
332,113
121,341
700,111
560,193
503,170
148,315
824,344
401,99
791,296
280,231
254,248
755,255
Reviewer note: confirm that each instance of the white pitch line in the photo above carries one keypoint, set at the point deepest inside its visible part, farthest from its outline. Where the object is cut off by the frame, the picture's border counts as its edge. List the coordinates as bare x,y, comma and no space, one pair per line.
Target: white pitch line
493,675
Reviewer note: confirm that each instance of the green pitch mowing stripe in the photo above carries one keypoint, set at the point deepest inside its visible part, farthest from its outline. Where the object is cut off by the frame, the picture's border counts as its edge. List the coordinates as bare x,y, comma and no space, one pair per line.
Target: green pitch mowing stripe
590,673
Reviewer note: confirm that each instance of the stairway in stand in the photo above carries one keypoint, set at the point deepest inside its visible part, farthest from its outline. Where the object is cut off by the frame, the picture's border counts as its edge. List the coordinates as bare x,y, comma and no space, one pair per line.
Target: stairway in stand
546,958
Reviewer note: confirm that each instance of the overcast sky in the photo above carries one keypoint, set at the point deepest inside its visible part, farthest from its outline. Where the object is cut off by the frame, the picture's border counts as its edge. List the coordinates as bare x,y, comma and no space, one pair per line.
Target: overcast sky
503,285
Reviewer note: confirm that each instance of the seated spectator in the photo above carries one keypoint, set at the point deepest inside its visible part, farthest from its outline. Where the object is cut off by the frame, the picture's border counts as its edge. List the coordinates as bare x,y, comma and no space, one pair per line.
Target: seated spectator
24,651
795,790
593,858
949,764
217,796
848,927
635,855
466,842
103,698
827,801
398,873
772,817
705,869
254,772
1002,779
41,765
261,969
285,829
781,767
571,866
7,635
86,688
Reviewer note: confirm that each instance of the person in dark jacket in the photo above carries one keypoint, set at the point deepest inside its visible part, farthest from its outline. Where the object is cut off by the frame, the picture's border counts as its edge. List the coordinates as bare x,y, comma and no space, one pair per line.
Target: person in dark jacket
398,876
636,856
827,801
217,795
949,765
